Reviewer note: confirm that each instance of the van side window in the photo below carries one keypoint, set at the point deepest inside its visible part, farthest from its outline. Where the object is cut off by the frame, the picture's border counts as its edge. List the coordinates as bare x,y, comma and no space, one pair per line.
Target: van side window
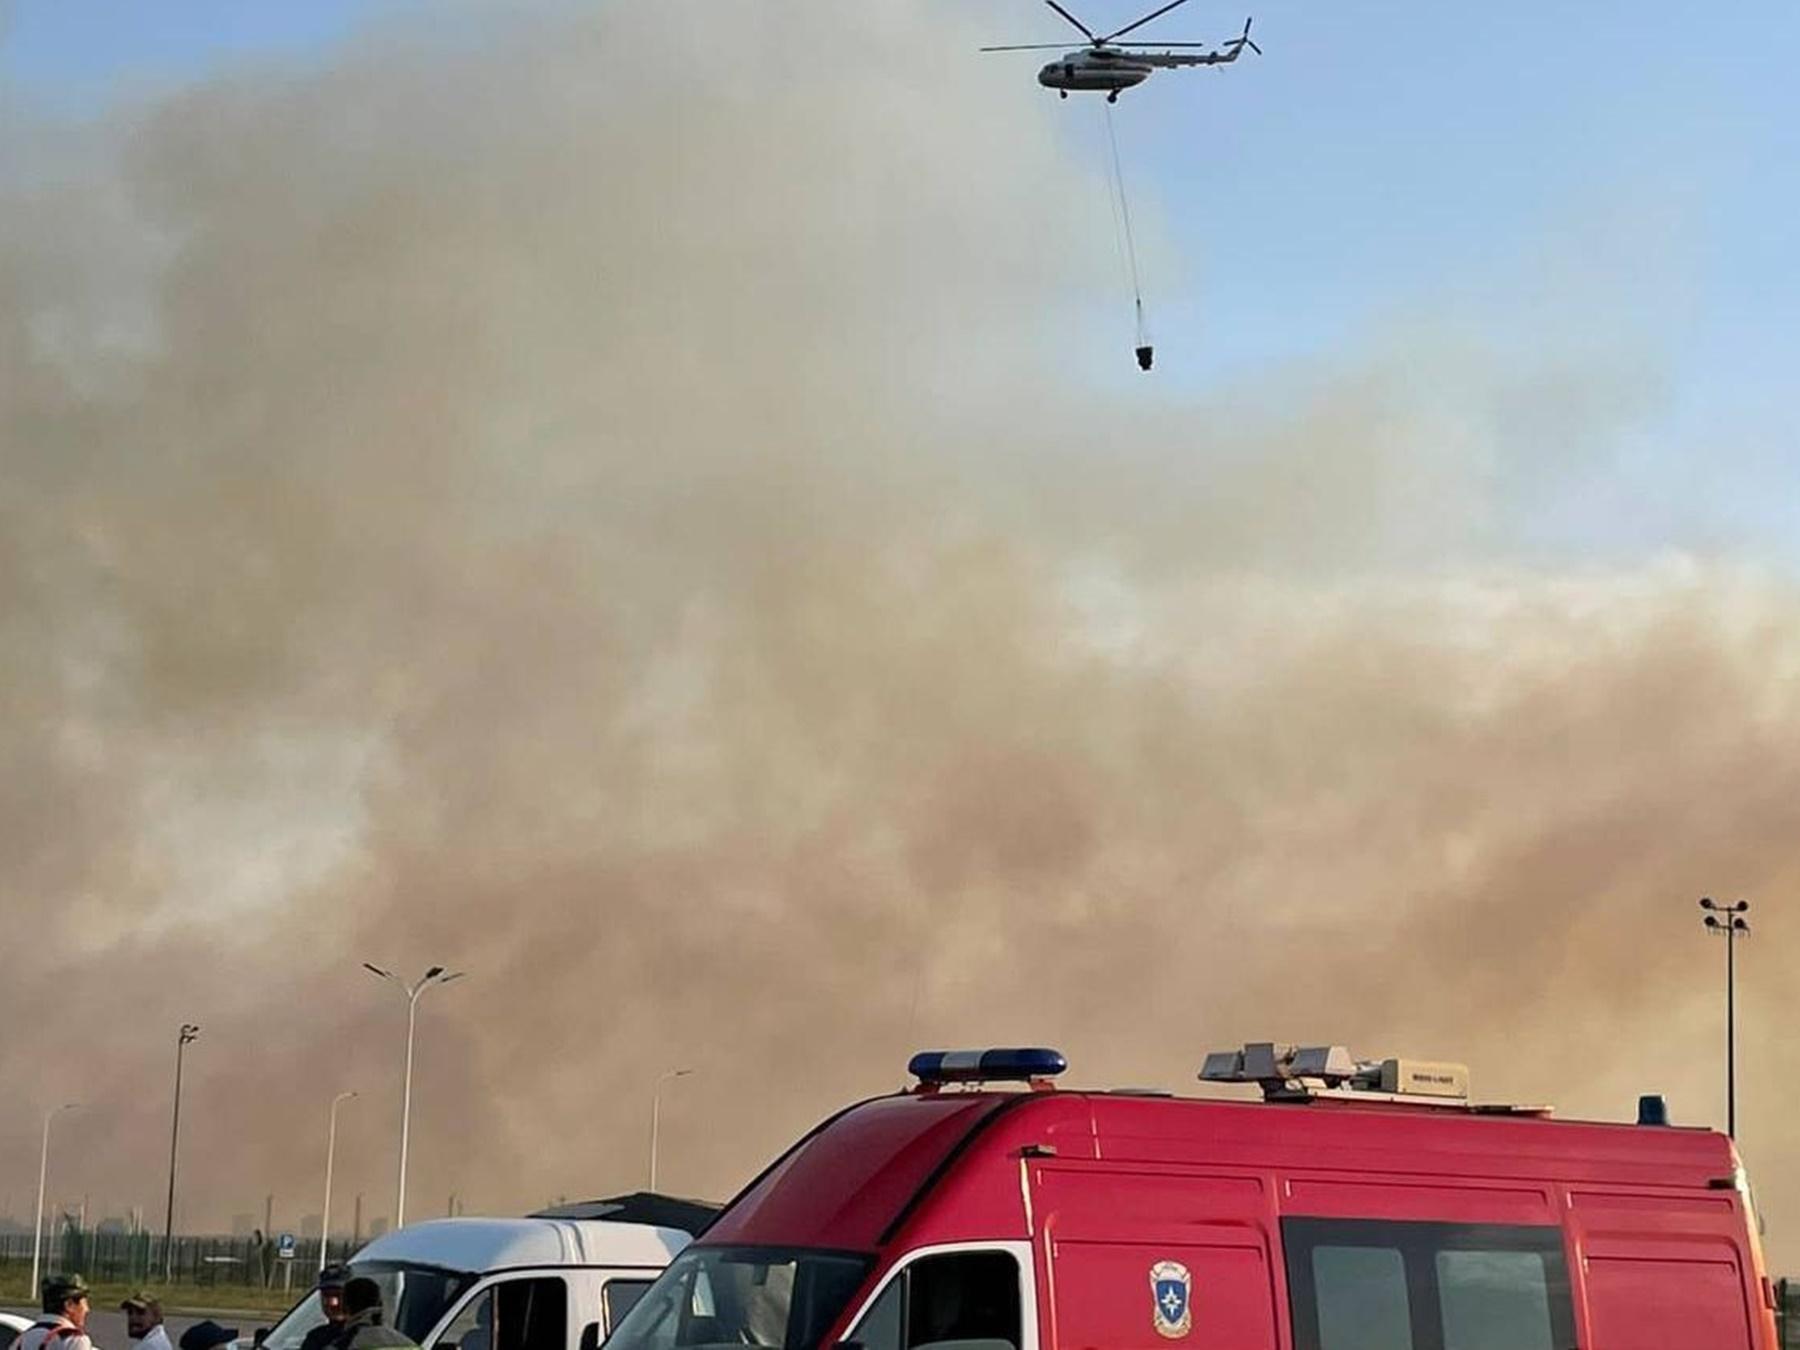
951,1299
620,1297
1358,1284
523,1314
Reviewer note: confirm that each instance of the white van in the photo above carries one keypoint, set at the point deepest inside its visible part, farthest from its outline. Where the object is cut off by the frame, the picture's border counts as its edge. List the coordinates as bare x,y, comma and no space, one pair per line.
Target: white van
502,1284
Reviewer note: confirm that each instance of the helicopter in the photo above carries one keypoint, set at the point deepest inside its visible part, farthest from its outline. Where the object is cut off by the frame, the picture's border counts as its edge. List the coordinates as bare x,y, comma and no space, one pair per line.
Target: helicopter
1109,65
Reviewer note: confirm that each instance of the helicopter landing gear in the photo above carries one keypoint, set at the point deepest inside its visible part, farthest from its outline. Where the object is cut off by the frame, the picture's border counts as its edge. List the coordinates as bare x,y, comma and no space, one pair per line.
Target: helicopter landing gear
1063,92
1113,96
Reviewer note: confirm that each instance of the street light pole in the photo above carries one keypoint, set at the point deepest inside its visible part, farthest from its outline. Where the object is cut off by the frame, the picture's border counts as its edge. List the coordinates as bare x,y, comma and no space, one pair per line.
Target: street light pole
656,1114
330,1157
436,975
189,1032
37,1231
1728,922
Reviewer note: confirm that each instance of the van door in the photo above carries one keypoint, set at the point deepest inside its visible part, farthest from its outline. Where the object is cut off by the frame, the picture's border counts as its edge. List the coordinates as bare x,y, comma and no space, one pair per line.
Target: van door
1145,1295
1143,1260
515,1312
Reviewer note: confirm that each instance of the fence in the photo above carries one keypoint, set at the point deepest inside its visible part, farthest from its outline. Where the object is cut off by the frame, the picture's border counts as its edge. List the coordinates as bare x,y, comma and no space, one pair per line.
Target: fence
138,1258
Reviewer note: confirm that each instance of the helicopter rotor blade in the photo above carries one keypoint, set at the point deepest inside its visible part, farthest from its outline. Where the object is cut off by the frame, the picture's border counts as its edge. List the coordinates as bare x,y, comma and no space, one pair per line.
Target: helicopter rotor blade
1245,39
1159,46
1031,47
1132,27
1086,32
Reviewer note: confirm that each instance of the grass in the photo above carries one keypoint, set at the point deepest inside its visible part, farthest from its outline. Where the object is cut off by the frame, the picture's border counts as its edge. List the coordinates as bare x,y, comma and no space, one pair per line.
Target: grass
175,1297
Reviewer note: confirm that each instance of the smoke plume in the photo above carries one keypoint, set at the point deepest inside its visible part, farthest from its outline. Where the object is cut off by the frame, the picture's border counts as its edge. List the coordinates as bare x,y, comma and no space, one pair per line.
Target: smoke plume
615,501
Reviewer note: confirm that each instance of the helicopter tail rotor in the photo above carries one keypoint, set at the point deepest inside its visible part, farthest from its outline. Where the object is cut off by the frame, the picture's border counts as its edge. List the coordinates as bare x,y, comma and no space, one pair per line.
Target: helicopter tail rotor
1237,44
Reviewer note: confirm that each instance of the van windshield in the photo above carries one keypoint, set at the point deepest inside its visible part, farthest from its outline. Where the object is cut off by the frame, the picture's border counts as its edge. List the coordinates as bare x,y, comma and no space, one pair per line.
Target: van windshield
726,1298
414,1299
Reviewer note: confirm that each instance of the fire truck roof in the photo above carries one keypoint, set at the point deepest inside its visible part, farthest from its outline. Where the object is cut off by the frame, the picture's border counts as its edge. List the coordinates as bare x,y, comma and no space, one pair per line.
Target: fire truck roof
865,1173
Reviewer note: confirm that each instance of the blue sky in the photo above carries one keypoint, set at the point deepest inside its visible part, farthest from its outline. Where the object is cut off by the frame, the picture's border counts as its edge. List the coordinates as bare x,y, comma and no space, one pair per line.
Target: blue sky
1607,176
69,52
1535,171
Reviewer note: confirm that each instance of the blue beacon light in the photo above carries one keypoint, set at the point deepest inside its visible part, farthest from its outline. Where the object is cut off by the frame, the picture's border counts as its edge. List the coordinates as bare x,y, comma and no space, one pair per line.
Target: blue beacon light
1020,1065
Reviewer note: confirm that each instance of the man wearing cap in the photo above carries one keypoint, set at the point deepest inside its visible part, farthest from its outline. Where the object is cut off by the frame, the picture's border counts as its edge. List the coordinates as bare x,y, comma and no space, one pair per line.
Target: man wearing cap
362,1329
144,1322
331,1303
64,1323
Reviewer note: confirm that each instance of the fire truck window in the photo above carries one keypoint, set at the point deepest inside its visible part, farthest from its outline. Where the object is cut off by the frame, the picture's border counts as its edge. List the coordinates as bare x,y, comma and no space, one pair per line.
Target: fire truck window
955,1298
1362,1299
1371,1284
881,1326
1494,1300
733,1297
962,1296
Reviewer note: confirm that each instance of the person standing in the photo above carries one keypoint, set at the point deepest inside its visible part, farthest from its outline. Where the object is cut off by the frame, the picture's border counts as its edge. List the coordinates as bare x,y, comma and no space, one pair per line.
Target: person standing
63,1325
262,1251
144,1322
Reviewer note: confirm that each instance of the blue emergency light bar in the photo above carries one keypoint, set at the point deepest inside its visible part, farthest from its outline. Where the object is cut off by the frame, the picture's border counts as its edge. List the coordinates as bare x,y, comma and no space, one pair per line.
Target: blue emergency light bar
986,1066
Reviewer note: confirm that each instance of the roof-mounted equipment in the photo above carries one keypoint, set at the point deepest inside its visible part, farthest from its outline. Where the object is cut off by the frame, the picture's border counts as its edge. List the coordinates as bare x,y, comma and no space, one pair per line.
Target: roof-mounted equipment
1034,1065
1289,1073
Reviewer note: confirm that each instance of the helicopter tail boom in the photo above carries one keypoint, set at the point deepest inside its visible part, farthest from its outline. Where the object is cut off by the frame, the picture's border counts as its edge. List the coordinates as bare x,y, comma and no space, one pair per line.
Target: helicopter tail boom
1169,59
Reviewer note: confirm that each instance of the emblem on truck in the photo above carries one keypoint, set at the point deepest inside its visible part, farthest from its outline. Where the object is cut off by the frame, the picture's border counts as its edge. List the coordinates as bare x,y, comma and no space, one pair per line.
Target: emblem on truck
1169,1288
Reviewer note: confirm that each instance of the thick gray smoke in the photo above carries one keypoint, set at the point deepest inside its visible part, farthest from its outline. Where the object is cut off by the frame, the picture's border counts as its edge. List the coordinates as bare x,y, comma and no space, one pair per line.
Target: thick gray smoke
610,501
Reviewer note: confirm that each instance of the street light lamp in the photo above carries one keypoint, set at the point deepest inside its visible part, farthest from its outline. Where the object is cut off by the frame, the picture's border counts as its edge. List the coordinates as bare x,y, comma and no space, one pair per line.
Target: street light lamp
189,1033
37,1232
330,1157
656,1114
436,975
1728,922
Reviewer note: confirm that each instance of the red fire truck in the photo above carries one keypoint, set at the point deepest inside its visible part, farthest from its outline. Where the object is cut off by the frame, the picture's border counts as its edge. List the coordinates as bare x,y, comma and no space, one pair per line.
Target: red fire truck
1359,1206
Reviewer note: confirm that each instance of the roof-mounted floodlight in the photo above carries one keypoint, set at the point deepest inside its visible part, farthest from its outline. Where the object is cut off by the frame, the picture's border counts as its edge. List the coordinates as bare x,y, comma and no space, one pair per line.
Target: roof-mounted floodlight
1304,1073
934,1068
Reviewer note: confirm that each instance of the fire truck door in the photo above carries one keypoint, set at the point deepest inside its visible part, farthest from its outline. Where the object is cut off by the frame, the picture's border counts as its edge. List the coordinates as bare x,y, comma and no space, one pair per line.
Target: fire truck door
1150,1260
1160,1295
